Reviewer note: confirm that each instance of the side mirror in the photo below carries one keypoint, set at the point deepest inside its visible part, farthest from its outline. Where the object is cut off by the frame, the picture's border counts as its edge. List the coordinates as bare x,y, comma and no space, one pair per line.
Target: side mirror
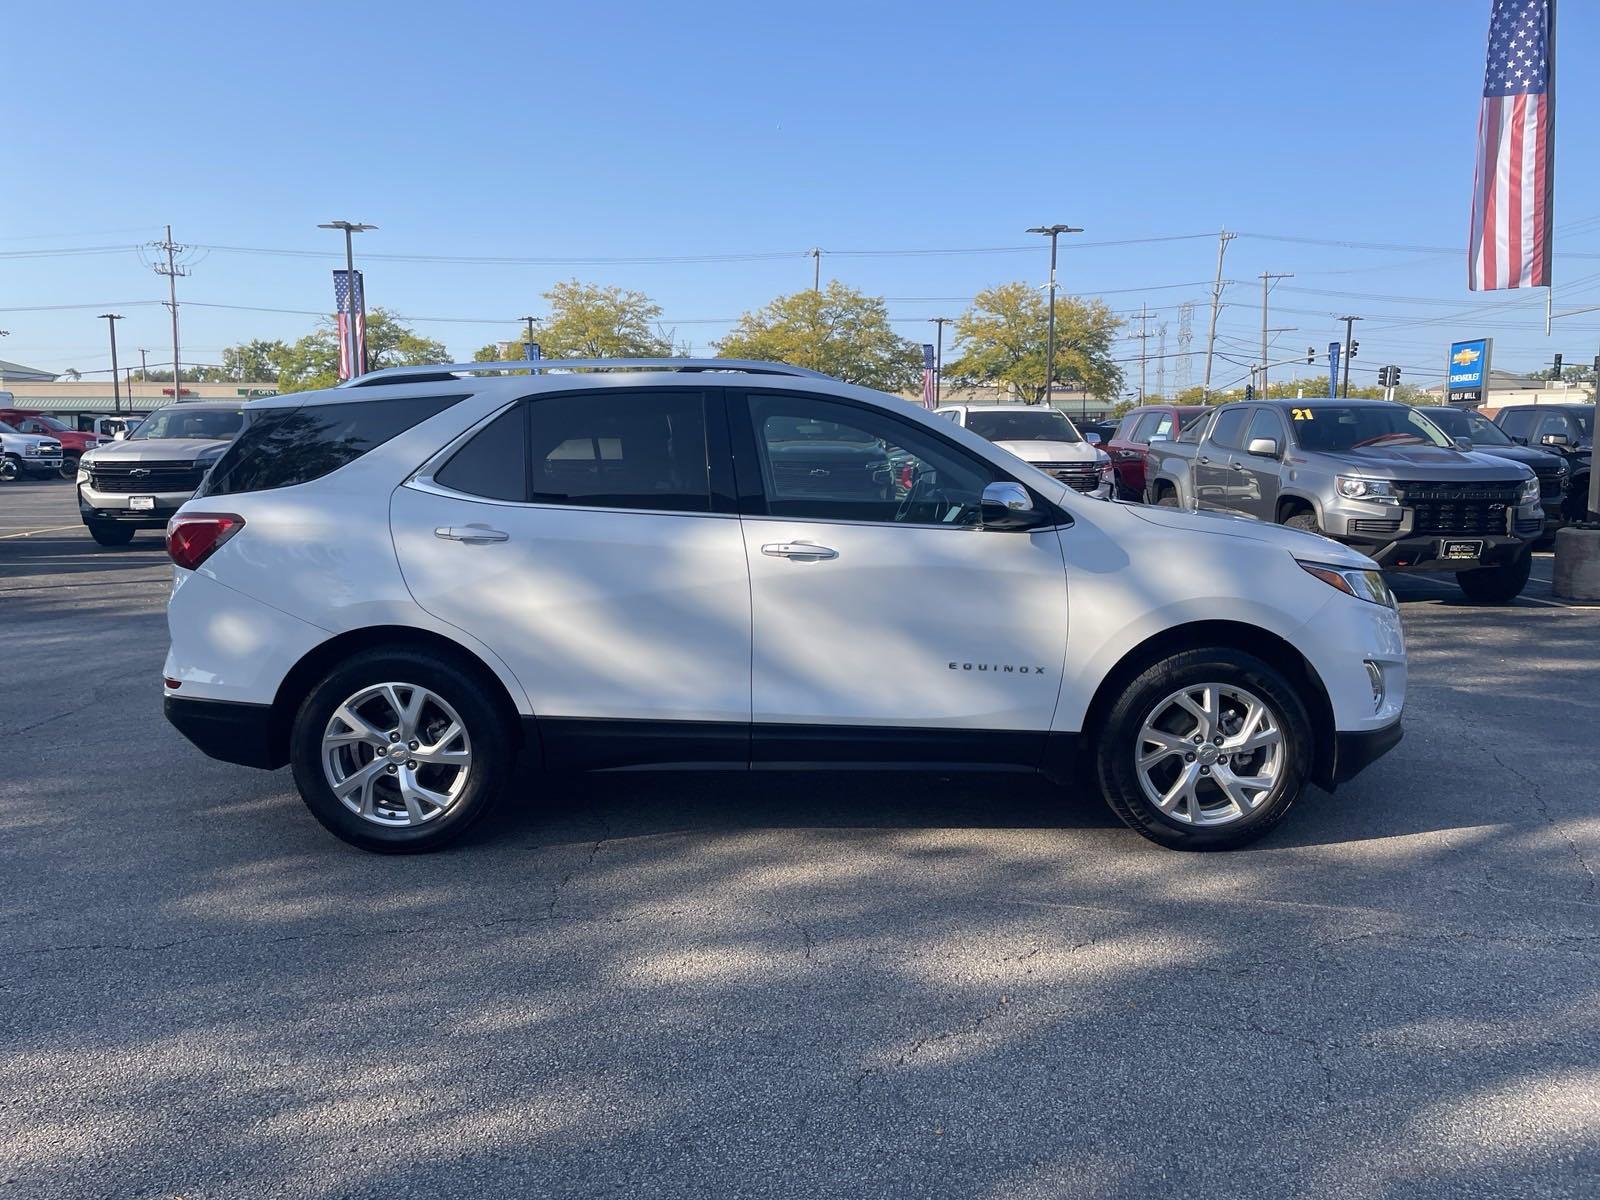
1462,443
1263,447
1555,439
1009,506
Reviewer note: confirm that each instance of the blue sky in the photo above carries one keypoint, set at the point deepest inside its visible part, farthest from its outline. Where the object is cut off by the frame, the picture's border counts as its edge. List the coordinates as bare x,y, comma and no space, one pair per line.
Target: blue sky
616,131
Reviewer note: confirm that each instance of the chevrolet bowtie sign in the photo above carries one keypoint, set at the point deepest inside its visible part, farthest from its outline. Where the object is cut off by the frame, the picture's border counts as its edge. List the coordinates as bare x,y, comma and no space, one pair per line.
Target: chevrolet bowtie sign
1469,371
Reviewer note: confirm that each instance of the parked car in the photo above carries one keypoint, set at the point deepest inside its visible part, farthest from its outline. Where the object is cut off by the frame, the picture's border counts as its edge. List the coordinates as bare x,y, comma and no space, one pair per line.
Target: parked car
1564,429
29,453
1037,434
1473,431
138,482
1375,475
394,585
1129,446
73,442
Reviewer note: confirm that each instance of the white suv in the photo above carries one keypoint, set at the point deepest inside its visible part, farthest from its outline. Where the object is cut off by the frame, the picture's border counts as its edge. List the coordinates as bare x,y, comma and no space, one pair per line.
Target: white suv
420,586
1042,436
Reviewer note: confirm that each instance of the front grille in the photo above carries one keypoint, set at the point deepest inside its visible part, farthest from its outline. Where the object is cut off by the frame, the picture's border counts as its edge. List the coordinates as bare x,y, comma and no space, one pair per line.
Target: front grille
1084,477
1448,508
1373,527
145,477
1550,484
43,450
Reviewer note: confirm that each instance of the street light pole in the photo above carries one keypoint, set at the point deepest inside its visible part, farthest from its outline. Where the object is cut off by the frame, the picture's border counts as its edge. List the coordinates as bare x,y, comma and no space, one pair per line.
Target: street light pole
938,357
1054,232
351,228
111,320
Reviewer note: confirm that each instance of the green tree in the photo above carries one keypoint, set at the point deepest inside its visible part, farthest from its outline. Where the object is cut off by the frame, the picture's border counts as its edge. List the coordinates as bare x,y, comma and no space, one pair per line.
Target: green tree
254,361
589,321
838,331
313,361
1003,340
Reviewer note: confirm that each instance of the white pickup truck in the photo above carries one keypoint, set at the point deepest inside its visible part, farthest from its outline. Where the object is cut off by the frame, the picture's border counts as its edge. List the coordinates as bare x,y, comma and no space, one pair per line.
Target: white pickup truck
27,454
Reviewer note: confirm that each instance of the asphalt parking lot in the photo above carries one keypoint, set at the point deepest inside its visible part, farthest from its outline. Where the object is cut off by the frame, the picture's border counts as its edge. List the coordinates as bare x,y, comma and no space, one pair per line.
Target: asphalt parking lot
870,986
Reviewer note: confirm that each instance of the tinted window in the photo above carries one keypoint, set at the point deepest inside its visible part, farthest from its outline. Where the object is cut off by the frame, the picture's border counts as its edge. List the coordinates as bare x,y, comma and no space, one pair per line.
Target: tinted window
281,447
1517,424
1463,423
494,464
1229,429
633,449
1145,427
1554,423
1194,429
1011,425
1265,424
831,461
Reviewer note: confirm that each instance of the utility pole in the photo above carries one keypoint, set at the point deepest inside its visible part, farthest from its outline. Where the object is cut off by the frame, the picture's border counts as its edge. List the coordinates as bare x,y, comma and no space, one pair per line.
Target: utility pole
938,357
1054,232
1349,324
172,270
1266,281
815,254
351,228
1144,340
1161,359
111,320
1223,239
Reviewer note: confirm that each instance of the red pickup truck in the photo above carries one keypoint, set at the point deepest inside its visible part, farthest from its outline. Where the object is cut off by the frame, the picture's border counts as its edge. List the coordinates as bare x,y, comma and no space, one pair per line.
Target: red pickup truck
73,442
1129,447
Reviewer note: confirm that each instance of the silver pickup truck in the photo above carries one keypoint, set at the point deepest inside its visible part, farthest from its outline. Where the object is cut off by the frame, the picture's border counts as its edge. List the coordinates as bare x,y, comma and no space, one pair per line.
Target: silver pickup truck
1374,475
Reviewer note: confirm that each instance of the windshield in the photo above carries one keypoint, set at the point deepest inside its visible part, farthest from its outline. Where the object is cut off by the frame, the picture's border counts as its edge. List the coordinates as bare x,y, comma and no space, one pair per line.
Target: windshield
1462,423
53,424
178,421
1013,425
1586,419
1337,428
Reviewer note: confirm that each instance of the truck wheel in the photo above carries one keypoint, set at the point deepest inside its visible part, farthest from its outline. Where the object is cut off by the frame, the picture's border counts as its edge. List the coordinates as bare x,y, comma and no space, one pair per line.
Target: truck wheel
69,467
1206,750
1497,585
1304,520
1168,499
400,750
8,469
108,533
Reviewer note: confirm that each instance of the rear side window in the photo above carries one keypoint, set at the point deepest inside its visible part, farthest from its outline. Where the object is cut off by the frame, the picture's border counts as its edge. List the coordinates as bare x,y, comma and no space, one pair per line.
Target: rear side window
494,464
1517,424
1229,429
1193,431
280,447
634,449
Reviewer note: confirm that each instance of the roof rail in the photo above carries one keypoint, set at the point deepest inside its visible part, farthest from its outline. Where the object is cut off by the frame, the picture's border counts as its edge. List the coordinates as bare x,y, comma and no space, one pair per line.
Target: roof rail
445,372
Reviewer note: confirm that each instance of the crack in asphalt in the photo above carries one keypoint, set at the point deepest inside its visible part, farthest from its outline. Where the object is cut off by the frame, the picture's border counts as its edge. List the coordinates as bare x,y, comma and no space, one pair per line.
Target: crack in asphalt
1543,806
581,868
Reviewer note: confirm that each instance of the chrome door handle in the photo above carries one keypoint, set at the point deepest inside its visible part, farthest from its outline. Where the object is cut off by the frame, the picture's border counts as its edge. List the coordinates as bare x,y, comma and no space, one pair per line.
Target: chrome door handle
1203,459
1236,466
472,535
798,550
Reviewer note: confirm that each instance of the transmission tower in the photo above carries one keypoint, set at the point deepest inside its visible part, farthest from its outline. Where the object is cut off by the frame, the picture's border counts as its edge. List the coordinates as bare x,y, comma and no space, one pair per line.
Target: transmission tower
1185,340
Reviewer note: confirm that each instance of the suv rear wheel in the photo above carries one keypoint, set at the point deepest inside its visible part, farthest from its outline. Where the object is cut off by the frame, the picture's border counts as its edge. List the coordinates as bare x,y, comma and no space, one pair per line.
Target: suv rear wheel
1206,750
399,751
1497,585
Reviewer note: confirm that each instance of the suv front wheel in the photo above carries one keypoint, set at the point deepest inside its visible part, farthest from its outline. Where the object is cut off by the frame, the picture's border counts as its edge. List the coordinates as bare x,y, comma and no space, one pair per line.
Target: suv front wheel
1497,585
399,750
1206,750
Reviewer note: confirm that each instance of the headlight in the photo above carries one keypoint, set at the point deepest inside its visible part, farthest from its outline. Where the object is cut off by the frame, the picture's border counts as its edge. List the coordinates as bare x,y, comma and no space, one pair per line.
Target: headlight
1362,583
83,470
1530,491
1354,487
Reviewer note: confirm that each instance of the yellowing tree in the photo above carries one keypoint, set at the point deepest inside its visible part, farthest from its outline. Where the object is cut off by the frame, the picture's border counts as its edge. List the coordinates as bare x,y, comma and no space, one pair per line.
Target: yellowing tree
1002,340
838,331
589,321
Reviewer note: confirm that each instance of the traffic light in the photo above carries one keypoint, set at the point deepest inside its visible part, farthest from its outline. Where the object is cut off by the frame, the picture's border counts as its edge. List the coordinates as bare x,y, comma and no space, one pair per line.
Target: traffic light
1249,391
1556,374
1388,377
1354,346
1311,355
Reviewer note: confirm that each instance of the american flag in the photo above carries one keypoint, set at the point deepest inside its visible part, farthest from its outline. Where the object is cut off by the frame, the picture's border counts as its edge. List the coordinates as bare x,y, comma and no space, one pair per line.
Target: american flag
927,376
1513,193
357,352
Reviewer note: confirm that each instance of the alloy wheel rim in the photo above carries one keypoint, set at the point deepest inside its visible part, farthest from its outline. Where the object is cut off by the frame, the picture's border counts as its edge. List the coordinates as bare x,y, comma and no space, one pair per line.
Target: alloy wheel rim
396,754
1210,754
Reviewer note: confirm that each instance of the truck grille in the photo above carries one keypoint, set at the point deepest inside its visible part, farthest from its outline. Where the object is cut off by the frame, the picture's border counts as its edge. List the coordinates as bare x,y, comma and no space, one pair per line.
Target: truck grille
1083,477
1550,484
1373,527
146,477
1459,507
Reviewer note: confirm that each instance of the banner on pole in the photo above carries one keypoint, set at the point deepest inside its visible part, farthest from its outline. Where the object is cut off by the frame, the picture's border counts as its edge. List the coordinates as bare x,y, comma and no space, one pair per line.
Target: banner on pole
1334,350
927,376
351,302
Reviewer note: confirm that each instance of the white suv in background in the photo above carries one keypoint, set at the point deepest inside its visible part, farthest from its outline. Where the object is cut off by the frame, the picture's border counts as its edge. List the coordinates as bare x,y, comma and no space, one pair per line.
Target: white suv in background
1040,435
418,588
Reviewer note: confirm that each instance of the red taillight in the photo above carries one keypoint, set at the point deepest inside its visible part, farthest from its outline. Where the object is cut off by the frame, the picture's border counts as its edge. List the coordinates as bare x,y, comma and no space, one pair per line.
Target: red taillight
194,537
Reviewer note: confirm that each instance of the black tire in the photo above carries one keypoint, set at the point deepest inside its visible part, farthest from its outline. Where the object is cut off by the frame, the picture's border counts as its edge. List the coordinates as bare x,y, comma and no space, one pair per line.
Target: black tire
68,468
8,469
1304,519
1168,499
490,736
1117,743
109,533
1497,585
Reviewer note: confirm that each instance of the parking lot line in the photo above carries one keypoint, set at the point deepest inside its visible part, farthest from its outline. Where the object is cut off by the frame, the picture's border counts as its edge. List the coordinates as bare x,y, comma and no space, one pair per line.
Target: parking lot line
30,532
